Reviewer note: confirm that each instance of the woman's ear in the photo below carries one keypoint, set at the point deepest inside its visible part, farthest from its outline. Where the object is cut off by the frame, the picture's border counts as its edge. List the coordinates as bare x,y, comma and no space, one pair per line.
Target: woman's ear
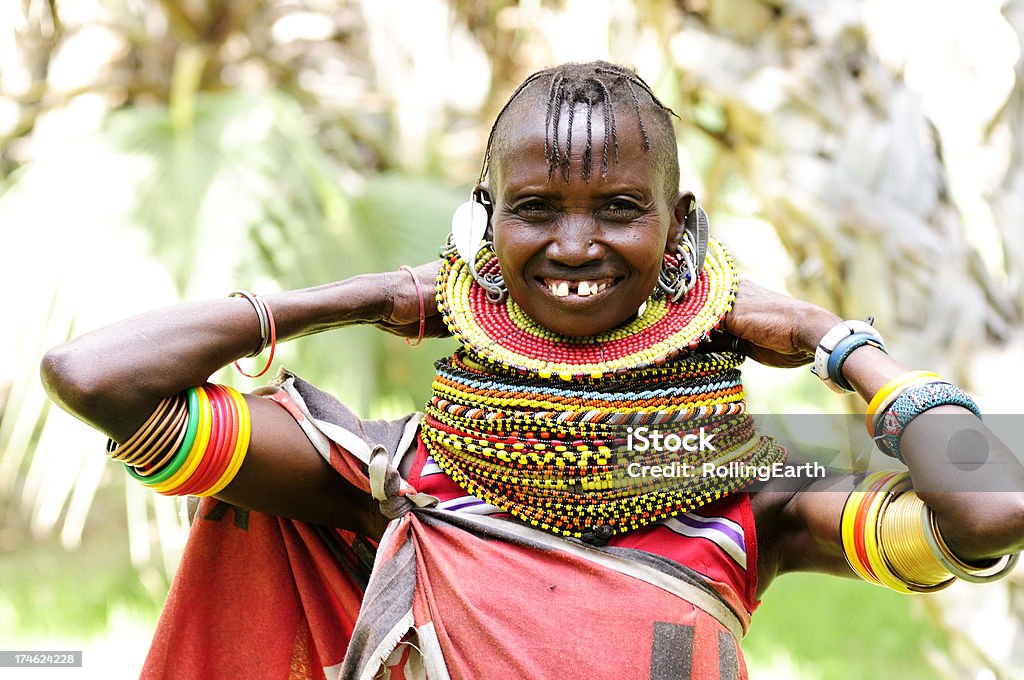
677,225
482,195
696,228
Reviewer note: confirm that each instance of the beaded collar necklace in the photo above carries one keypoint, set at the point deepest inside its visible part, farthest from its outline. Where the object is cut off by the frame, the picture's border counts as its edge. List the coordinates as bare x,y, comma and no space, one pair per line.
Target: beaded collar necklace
503,334
544,426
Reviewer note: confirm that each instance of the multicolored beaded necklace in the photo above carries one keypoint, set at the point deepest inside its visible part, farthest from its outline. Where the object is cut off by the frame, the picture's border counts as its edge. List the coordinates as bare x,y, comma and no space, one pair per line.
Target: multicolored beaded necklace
503,334
546,426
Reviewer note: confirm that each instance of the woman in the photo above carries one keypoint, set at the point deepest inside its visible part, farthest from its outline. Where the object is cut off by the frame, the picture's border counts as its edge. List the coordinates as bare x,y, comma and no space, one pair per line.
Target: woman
520,528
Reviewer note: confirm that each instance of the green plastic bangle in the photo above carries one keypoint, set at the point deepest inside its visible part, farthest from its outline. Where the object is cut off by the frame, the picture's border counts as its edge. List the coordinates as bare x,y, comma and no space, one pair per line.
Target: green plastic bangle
186,445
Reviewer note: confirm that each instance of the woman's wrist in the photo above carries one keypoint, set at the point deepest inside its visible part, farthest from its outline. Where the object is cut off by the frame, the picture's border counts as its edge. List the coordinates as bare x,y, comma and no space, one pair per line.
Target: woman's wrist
389,284
409,307
868,369
401,304
362,299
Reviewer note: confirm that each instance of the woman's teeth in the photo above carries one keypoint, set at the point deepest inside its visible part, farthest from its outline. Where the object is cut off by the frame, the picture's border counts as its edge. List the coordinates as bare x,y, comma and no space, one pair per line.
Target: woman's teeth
562,288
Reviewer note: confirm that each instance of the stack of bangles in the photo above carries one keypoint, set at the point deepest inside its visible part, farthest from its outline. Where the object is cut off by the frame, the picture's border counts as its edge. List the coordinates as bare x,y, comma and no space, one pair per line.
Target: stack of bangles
904,398
193,443
892,539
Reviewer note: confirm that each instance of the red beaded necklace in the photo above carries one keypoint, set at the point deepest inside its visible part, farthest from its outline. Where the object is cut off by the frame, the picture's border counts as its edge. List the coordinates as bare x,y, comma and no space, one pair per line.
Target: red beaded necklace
503,334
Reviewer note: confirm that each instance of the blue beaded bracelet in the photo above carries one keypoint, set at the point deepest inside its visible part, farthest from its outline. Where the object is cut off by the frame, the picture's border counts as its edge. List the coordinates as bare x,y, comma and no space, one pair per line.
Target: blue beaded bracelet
843,349
911,404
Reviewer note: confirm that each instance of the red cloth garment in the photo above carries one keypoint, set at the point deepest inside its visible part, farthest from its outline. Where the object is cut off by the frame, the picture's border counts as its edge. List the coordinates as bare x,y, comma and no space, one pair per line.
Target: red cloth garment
524,604
257,596
453,593
718,540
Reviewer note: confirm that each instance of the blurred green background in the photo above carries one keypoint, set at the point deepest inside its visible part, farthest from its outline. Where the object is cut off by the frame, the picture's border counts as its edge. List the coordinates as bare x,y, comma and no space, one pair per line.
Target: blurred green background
865,155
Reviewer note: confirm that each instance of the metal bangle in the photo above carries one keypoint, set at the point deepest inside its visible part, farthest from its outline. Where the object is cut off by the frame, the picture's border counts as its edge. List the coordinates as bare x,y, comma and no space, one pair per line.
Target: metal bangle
953,564
261,312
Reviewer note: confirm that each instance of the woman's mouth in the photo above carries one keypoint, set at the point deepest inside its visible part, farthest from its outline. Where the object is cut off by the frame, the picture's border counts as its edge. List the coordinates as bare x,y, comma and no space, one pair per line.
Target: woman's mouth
583,288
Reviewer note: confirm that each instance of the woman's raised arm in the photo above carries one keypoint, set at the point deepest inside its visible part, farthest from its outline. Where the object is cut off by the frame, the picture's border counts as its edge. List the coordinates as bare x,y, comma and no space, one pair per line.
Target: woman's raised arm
114,377
979,506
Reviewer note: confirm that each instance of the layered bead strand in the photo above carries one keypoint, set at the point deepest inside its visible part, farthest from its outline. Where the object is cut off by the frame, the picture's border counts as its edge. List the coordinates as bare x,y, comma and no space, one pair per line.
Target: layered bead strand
557,456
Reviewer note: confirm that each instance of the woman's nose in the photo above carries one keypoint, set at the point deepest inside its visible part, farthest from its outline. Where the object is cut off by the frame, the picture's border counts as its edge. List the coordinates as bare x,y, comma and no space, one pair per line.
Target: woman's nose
574,242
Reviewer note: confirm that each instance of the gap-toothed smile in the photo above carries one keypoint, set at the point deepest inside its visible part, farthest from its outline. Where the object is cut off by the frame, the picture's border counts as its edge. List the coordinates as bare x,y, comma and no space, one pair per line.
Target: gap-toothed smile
582,288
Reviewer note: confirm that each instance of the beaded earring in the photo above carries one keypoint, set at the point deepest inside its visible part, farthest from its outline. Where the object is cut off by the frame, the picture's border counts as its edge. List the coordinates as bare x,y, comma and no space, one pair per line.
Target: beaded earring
680,270
467,238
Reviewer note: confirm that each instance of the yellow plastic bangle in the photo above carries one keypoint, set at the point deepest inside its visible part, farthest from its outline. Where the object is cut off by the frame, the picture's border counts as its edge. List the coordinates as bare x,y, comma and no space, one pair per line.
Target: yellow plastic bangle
241,446
865,492
854,562
198,447
846,535
849,520
873,418
887,389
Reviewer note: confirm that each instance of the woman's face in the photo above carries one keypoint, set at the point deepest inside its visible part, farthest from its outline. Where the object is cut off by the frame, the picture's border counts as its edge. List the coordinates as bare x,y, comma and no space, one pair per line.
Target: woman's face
580,257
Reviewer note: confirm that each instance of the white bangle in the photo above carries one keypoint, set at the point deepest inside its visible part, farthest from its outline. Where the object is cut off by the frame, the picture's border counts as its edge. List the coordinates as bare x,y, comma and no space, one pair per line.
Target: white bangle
829,341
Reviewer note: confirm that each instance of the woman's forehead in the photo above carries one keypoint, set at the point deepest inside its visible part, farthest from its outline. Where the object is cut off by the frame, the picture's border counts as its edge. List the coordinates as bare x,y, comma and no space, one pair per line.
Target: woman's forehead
613,147
524,118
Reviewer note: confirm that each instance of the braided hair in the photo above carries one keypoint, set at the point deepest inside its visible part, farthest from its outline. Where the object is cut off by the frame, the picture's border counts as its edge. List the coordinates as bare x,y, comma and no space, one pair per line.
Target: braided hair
591,84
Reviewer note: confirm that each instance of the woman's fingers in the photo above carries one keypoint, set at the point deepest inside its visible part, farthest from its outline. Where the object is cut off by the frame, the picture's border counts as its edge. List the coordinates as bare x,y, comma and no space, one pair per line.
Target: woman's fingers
776,329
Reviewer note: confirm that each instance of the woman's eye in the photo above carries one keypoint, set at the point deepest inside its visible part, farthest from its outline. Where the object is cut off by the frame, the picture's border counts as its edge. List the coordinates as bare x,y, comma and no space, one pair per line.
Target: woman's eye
533,209
622,209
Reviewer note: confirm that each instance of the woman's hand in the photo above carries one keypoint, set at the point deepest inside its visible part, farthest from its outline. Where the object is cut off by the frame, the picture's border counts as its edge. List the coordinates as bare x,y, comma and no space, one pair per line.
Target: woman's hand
402,316
773,329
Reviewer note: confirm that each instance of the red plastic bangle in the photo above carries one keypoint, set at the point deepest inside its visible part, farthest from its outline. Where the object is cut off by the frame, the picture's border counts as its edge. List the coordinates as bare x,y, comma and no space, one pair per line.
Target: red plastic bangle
273,343
232,441
423,306
222,441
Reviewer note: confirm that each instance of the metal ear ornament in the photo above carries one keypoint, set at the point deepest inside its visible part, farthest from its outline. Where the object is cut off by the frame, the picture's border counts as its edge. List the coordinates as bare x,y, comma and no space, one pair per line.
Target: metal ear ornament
681,269
699,228
469,227
678,273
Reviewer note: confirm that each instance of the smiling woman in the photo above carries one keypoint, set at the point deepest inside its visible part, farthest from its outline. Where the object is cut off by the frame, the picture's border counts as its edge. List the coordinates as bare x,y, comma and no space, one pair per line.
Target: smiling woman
584,253
496,531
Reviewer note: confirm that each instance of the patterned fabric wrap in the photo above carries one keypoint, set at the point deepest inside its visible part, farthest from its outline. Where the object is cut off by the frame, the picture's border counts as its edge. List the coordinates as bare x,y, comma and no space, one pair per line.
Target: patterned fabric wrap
258,596
542,425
